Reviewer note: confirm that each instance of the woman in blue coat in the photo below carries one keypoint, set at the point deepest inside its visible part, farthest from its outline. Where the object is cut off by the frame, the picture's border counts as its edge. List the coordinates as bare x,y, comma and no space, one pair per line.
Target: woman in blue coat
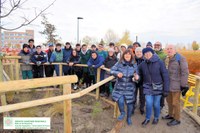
125,71
155,78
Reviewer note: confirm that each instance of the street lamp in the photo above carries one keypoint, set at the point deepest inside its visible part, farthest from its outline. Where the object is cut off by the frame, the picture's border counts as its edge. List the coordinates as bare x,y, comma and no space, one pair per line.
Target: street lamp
78,28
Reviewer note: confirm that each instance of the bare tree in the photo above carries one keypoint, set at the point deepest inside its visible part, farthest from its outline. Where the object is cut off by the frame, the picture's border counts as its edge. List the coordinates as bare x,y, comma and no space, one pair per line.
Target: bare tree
16,5
110,36
49,31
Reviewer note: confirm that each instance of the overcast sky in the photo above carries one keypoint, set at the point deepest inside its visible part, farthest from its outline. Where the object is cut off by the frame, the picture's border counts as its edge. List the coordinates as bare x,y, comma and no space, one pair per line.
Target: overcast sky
169,21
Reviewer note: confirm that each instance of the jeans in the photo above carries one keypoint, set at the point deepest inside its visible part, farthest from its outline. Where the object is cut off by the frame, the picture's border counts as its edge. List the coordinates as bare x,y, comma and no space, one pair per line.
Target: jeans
152,101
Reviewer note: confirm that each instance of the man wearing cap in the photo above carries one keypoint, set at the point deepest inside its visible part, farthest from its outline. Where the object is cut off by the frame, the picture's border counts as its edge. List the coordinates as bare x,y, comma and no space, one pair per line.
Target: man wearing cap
49,69
26,68
155,78
178,72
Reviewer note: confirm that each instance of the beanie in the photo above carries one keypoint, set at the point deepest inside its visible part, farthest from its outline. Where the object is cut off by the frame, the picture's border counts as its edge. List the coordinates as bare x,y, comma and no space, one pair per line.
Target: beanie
149,44
145,50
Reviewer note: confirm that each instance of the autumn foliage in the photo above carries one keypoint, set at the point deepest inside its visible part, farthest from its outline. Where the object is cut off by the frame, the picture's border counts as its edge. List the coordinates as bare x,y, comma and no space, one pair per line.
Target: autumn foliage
193,59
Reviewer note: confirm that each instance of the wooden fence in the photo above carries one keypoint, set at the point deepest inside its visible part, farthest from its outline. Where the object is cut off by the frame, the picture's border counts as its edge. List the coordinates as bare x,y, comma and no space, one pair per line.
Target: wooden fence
19,85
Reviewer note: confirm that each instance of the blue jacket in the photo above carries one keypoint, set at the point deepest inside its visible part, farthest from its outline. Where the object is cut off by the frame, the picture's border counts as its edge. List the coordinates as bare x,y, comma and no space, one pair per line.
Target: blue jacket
151,72
39,57
96,62
124,86
66,54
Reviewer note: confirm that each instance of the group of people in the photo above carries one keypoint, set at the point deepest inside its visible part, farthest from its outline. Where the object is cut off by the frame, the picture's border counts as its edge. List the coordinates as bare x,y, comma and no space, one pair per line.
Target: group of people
149,71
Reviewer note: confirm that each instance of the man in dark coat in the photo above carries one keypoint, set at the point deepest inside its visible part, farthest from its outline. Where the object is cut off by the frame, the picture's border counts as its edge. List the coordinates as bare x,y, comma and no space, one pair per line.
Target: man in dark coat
155,78
67,50
38,58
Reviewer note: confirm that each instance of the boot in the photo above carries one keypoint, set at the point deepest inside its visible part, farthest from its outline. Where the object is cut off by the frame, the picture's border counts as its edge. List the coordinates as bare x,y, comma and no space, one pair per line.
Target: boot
121,108
129,113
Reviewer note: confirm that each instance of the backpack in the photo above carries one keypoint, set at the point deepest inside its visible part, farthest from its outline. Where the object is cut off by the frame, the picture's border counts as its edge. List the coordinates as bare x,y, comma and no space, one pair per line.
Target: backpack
178,58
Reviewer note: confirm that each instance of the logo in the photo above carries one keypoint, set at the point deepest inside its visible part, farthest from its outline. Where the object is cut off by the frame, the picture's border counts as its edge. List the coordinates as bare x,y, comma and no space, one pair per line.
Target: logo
8,122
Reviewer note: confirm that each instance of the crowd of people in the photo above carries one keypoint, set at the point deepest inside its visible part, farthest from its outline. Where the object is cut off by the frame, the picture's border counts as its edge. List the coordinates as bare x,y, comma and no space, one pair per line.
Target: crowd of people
152,72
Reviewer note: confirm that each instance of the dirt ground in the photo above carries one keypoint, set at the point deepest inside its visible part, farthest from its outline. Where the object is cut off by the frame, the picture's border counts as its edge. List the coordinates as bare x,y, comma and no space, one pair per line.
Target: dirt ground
88,115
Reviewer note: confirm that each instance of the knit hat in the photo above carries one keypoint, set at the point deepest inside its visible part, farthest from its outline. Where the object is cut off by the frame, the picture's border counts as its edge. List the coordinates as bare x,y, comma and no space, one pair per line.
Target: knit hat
145,50
137,43
25,46
149,44
123,45
111,50
50,44
138,49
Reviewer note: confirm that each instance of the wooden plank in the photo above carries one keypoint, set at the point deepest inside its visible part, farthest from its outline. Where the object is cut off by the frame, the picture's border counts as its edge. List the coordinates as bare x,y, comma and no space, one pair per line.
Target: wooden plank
35,83
60,70
67,109
1,70
98,79
196,96
17,68
12,57
192,115
34,103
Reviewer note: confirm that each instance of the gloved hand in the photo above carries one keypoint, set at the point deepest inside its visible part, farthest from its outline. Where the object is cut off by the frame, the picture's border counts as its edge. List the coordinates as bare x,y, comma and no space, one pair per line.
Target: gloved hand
38,63
165,94
184,90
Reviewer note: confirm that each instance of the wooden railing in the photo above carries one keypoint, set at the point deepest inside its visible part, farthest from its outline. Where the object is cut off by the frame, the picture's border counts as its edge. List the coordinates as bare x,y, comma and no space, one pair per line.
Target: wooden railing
19,85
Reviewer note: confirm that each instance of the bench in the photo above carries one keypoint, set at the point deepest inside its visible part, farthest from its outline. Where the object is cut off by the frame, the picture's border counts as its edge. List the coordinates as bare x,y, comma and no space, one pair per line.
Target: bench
190,93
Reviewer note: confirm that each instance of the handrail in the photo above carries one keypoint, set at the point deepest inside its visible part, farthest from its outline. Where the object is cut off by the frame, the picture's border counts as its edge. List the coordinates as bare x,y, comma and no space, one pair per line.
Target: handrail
17,85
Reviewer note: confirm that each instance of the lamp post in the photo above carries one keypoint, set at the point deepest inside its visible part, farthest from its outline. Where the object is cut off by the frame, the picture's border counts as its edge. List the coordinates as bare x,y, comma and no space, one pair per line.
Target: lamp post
78,28
136,38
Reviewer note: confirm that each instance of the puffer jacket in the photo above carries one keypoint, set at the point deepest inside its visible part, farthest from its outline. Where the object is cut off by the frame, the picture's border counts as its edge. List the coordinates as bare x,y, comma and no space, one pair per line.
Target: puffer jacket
25,57
153,71
124,86
178,73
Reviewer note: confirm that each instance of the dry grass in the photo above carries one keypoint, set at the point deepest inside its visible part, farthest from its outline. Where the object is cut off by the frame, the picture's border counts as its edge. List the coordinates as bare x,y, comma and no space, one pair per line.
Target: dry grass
193,58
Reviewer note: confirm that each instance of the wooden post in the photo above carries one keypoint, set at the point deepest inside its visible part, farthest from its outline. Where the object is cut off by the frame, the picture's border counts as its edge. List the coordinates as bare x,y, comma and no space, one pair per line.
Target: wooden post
60,70
67,109
17,67
3,96
98,79
1,70
196,95
11,72
116,110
